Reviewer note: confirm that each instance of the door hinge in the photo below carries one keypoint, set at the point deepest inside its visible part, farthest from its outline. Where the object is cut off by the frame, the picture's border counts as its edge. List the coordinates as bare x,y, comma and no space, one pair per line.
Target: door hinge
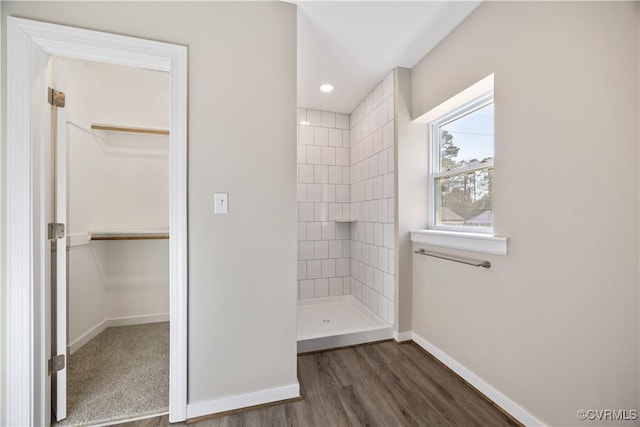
55,97
56,230
57,363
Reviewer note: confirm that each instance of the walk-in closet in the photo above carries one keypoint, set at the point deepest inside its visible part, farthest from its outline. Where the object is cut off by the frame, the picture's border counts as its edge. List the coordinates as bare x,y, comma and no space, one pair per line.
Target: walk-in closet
117,121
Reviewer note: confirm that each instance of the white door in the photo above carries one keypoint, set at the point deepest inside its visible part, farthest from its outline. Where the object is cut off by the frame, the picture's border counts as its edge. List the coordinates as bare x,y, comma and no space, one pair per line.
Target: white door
58,240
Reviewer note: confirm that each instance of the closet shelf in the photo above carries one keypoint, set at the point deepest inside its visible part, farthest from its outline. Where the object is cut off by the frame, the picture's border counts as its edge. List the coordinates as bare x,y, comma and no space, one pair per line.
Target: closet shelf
130,129
129,234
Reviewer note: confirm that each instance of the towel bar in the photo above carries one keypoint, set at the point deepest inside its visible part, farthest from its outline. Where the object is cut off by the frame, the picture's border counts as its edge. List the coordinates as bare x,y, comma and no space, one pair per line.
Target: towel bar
475,263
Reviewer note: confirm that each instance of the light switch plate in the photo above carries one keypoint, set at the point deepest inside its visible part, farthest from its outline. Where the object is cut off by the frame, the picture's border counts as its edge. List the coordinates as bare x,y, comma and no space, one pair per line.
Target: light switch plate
221,203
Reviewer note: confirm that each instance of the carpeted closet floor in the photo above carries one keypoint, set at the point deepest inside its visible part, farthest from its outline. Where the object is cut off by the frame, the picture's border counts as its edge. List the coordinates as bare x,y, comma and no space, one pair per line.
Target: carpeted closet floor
122,373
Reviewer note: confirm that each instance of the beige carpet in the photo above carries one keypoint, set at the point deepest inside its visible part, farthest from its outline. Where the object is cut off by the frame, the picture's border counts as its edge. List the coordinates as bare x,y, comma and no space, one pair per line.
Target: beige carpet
122,373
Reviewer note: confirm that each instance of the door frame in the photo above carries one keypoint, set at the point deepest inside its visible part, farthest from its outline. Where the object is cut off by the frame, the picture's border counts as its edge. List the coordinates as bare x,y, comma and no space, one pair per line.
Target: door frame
23,350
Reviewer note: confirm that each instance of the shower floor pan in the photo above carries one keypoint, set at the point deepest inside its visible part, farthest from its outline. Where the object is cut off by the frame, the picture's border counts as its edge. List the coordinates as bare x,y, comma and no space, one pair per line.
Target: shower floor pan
337,322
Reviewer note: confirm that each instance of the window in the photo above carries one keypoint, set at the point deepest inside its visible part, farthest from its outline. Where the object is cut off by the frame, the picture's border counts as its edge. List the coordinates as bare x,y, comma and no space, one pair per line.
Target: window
461,175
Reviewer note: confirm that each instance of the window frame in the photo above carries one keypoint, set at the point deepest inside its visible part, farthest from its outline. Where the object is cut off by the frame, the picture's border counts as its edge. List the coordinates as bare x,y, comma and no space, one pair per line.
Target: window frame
434,172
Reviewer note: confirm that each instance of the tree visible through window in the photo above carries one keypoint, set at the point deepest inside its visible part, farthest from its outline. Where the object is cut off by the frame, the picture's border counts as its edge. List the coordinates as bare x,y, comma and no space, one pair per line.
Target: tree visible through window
462,170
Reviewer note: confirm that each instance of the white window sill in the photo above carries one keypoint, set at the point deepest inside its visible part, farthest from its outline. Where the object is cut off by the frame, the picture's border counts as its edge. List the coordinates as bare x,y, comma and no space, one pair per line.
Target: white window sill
483,243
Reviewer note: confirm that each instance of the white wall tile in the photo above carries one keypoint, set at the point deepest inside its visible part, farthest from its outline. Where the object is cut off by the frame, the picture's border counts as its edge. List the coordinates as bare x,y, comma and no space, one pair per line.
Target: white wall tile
342,156
346,284
314,117
328,119
346,139
320,136
305,211
342,267
314,269
305,174
346,177
388,185
302,270
328,268
335,249
302,115
342,121
383,259
321,212
342,193
346,248
388,287
305,135
314,231
314,154
335,211
320,249
382,210
335,174
378,234
328,193
389,236
387,135
302,231
383,310
392,261
314,192
382,113
378,280
377,187
335,138
391,160
306,250
306,289
321,288
320,174
302,153
335,286
390,111
383,162
328,156
328,230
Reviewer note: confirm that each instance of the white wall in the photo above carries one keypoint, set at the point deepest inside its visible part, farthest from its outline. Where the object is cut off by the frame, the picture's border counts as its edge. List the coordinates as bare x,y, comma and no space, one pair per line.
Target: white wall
116,181
323,198
242,139
554,324
412,155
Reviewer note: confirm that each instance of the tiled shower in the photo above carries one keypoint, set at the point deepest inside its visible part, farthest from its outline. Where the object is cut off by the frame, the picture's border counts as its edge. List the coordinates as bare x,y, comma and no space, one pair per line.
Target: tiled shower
346,203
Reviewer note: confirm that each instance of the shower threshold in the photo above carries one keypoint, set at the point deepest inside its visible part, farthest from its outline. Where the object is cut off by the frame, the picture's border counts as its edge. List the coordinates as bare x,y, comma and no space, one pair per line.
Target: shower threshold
339,321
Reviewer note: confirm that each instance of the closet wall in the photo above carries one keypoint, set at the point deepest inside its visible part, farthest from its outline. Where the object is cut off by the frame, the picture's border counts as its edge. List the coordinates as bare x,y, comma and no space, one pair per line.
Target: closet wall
116,181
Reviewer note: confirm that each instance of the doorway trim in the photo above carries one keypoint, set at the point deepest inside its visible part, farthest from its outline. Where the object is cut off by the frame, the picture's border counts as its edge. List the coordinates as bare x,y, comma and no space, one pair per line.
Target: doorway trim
24,360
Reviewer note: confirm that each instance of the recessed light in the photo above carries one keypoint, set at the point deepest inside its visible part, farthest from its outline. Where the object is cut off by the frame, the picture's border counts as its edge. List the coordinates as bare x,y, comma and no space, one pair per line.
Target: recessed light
326,87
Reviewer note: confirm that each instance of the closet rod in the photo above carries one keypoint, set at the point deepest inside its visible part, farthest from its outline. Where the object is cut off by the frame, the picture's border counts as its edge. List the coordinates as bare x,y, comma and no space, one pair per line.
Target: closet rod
485,264
132,237
117,128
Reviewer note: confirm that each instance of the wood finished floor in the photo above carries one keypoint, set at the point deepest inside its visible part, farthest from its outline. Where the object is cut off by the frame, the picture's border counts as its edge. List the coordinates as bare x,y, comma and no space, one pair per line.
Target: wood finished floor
382,384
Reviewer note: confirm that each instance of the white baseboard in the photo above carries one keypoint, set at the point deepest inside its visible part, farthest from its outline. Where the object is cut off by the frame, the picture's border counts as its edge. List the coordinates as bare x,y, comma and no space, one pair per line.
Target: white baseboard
402,336
118,321
138,320
481,385
210,407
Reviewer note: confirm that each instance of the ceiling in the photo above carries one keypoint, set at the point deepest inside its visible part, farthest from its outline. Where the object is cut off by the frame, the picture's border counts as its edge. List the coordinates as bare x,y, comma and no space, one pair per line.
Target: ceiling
354,44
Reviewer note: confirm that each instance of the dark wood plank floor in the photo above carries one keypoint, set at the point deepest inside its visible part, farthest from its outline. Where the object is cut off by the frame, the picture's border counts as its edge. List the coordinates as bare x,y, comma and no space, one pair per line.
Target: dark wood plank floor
381,384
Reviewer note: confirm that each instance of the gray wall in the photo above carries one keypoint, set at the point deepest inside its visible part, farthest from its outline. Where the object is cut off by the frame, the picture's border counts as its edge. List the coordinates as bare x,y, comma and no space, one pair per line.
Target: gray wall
242,140
554,324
